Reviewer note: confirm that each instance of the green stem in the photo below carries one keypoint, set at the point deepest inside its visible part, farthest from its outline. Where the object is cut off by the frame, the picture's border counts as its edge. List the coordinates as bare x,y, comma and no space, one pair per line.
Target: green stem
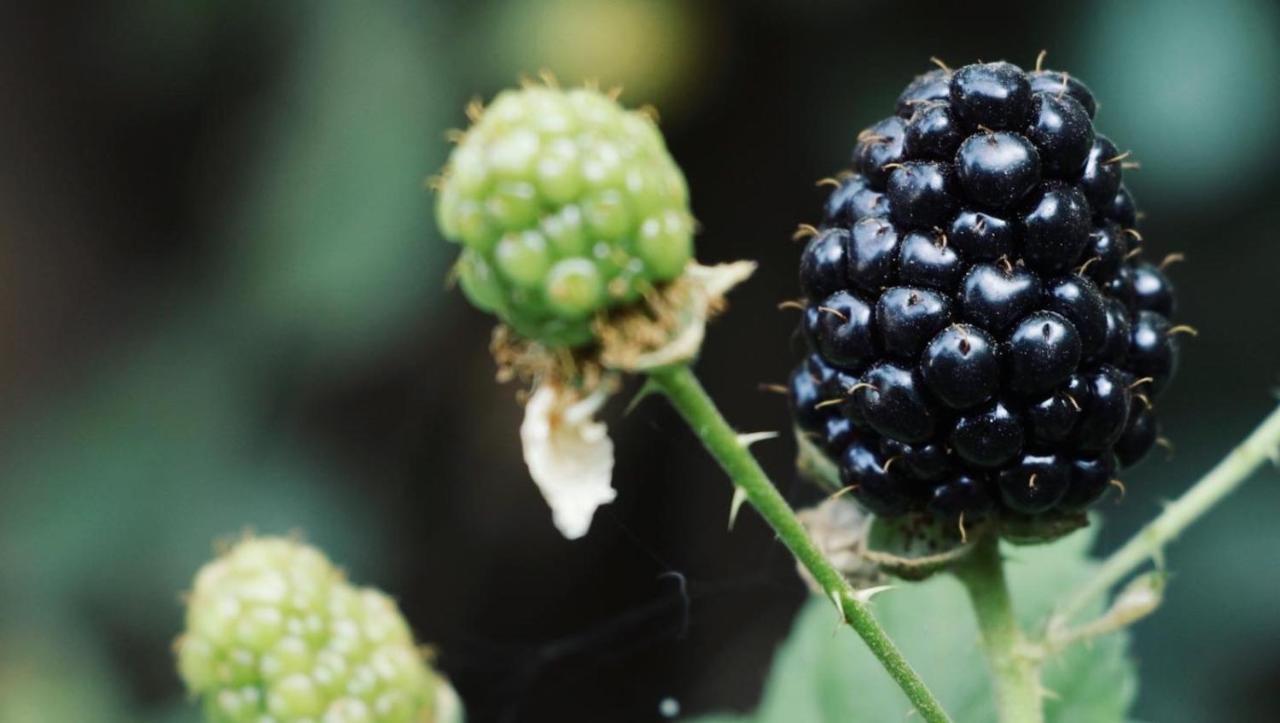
686,394
1233,470
1015,674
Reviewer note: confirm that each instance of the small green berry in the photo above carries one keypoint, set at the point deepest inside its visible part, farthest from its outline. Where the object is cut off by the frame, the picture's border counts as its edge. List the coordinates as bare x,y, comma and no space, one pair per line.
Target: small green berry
566,232
665,245
523,258
479,283
513,205
574,287
567,204
276,633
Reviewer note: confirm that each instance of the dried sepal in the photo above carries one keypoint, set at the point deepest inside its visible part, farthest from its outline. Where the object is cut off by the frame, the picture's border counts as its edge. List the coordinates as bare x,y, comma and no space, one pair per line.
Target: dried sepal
1042,529
838,526
914,549
668,326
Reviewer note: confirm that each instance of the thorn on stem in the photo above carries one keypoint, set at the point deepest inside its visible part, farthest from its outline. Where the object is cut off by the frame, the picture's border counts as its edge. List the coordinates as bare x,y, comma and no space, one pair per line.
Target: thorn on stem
750,438
840,619
735,505
865,594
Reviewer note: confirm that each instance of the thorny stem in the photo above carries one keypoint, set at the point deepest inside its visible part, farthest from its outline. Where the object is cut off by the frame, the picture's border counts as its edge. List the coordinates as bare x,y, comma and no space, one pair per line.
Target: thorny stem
1261,445
1014,671
686,394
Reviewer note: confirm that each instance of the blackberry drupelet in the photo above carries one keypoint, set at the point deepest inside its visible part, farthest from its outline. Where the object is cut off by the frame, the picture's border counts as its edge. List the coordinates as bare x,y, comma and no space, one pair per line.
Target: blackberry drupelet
985,337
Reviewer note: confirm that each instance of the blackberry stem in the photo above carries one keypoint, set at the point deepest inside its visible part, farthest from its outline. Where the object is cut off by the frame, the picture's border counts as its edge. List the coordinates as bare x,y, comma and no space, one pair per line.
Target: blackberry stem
1014,671
1261,445
682,388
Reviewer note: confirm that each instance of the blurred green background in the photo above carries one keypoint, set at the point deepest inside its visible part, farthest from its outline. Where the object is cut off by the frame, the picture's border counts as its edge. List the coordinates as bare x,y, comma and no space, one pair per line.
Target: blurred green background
225,308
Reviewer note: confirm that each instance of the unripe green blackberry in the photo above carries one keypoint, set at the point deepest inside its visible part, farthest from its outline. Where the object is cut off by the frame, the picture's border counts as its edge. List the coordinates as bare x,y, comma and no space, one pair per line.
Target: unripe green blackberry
566,204
276,633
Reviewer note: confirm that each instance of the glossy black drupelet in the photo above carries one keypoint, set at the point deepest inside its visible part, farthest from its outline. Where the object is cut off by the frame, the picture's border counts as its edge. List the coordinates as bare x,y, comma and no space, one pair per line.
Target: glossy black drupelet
985,334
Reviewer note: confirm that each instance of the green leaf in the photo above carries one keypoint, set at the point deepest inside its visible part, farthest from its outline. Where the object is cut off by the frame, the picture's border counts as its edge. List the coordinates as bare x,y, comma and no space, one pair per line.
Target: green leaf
56,674
824,674
116,494
334,239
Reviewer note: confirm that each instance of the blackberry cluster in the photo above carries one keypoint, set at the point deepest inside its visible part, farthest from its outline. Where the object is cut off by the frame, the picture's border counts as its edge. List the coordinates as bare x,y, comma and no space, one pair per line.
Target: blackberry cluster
984,336
566,204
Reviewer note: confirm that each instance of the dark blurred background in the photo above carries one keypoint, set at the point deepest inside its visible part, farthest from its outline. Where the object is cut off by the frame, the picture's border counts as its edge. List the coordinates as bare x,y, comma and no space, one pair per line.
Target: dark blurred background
224,308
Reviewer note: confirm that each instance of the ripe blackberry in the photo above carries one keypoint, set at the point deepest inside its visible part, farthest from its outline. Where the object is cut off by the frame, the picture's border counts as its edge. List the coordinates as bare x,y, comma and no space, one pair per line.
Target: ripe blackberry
566,205
985,337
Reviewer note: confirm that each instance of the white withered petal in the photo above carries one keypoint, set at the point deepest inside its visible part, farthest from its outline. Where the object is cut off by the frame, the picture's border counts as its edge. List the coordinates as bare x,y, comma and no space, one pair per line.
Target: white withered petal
569,455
